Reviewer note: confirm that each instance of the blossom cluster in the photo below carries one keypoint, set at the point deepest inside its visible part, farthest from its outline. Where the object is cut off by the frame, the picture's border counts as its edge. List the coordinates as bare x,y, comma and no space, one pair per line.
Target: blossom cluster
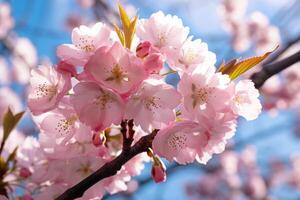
105,77
256,29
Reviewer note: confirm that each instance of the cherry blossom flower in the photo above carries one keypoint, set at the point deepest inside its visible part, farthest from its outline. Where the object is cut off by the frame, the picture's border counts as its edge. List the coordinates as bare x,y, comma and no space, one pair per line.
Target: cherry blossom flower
62,124
47,88
218,128
96,106
165,32
85,42
152,106
202,90
116,68
192,54
245,101
180,141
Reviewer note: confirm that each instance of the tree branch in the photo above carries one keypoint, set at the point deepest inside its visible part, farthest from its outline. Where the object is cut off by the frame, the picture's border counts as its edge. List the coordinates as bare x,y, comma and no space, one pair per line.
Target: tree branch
273,57
109,169
271,69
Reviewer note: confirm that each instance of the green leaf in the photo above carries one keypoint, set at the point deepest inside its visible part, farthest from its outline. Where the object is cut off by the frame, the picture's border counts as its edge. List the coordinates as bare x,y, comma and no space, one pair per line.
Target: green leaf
12,155
9,123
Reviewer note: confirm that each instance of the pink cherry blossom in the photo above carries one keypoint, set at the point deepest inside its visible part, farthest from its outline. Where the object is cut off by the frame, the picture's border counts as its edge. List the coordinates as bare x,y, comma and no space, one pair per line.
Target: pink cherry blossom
86,3
165,32
85,42
192,54
116,68
201,91
245,101
47,88
218,128
152,106
153,63
233,9
96,106
62,124
180,141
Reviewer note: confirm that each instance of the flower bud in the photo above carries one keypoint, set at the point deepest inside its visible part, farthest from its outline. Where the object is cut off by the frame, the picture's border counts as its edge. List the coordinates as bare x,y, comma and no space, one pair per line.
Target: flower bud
64,67
24,172
154,63
143,49
158,171
27,197
98,139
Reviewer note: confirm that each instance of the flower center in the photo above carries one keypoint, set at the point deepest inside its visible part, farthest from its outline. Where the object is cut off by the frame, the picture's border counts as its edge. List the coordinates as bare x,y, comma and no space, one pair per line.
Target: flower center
102,100
64,126
177,141
162,39
117,75
44,90
190,56
151,103
85,169
201,95
86,44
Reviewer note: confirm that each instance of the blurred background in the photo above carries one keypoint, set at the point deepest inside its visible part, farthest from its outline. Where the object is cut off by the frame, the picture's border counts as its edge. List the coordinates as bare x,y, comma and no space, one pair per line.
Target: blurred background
262,161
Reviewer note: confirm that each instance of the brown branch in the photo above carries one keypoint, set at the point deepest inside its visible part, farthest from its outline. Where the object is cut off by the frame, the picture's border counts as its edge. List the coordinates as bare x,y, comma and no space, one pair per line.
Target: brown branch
282,50
271,69
109,169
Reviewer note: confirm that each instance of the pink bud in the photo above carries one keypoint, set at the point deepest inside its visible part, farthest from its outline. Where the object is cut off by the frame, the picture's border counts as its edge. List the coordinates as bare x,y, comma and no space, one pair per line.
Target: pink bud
154,63
98,139
24,172
158,171
64,67
143,49
27,197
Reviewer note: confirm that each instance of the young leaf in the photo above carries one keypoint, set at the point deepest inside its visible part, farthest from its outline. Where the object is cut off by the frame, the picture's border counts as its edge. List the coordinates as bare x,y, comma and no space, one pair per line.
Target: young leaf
9,122
120,34
235,68
127,34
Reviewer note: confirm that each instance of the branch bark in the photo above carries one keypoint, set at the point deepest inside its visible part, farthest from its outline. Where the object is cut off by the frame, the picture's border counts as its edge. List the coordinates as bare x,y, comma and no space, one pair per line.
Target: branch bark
271,69
112,167
109,169
273,57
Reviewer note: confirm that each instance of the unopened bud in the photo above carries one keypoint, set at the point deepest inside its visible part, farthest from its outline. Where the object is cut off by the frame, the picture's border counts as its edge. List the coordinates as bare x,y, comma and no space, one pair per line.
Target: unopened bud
24,172
98,139
26,197
64,67
158,171
143,49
